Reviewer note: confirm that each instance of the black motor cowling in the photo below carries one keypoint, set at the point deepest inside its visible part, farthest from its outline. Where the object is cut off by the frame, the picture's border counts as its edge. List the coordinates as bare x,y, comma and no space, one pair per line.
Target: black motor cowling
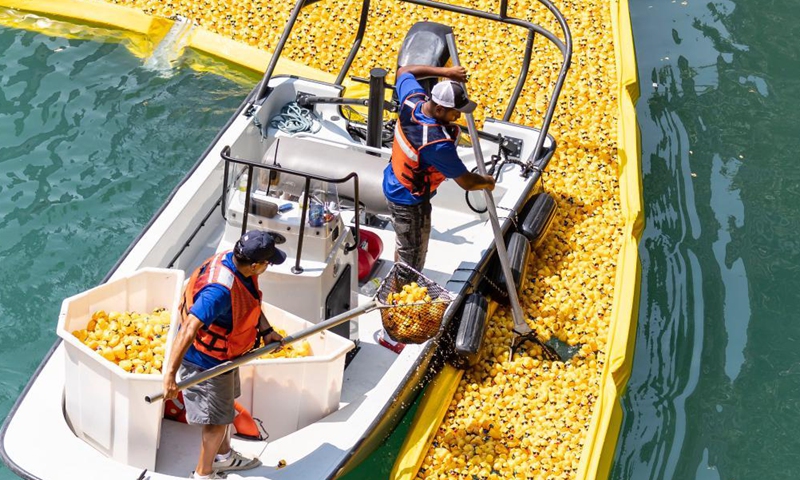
425,44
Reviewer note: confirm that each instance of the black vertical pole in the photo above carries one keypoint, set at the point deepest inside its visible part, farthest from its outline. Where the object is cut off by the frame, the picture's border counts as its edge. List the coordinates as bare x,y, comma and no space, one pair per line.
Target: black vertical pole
228,165
377,83
297,268
247,191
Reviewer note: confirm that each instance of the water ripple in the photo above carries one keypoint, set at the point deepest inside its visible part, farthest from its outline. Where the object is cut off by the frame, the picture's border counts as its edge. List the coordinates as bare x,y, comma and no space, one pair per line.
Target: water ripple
91,143
715,376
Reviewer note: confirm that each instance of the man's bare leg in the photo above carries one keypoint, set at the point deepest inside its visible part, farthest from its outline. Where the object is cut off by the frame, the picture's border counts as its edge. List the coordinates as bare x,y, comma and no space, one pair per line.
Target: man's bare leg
225,446
212,439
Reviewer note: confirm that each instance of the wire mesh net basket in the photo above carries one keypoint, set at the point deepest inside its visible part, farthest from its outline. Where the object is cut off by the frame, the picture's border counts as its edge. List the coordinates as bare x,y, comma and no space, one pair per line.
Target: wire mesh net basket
416,321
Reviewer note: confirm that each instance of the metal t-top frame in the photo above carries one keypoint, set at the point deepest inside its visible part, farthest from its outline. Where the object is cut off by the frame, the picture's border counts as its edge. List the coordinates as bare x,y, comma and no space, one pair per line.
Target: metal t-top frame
250,167
564,46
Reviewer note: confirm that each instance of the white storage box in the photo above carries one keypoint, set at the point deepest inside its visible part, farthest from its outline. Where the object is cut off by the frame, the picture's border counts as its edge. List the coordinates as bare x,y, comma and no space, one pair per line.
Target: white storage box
105,404
287,394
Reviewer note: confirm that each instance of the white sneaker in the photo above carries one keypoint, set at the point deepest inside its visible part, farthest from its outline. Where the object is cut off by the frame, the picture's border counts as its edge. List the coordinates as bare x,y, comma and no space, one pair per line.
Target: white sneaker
214,475
236,461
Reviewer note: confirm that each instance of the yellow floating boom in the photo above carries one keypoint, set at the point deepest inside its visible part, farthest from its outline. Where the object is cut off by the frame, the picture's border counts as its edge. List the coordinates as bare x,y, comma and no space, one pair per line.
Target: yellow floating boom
432,407
151,30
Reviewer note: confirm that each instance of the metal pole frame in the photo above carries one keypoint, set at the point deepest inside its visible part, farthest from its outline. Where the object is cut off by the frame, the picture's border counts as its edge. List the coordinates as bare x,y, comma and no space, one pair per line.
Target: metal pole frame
565,47
263,88
250,165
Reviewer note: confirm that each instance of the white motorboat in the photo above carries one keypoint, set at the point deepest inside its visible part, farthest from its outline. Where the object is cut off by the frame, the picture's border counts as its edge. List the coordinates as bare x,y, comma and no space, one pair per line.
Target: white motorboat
320,190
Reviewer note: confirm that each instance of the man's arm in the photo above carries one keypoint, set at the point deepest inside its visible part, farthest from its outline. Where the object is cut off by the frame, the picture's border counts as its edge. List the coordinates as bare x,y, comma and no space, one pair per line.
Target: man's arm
474,181
180,345
458,74
265,331
263,323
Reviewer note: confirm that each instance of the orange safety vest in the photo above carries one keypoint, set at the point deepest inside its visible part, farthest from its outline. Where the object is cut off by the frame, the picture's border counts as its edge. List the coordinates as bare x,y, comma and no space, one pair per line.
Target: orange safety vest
216,341
410,137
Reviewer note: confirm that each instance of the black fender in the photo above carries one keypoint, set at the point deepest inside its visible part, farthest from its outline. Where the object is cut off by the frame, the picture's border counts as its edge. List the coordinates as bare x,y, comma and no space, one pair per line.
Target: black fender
538,214
519,251
471,330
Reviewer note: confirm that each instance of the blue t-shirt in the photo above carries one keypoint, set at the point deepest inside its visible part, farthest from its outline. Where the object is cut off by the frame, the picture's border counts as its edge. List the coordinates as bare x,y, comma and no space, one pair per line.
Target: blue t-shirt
441,156
212,304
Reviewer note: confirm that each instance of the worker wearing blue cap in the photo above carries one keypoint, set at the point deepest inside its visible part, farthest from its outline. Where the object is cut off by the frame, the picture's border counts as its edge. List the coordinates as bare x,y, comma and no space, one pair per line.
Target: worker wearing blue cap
221,319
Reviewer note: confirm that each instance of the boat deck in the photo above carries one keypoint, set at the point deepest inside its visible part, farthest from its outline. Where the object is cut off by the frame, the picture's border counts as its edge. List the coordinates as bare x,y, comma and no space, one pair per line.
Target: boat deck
377,385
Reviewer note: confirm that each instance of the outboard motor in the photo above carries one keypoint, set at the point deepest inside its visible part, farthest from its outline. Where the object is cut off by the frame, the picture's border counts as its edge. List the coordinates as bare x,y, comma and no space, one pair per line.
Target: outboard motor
425,44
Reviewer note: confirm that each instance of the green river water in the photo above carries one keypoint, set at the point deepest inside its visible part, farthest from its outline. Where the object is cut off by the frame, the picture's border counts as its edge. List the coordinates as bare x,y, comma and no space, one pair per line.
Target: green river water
92,141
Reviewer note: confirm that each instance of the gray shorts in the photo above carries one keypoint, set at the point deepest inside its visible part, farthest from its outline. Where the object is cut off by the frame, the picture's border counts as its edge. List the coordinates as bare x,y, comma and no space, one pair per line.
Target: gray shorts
412,227
210,402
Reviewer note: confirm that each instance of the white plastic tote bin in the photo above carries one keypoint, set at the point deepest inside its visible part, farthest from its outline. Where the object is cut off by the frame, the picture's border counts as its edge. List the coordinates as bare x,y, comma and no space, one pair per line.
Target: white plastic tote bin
287,394
105,404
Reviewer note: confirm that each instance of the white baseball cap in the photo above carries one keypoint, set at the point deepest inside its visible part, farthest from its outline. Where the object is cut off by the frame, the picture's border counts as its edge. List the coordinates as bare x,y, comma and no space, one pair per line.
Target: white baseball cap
451,94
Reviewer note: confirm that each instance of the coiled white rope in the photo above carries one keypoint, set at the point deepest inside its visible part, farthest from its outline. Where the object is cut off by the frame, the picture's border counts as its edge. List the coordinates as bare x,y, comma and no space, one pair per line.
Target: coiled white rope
295,119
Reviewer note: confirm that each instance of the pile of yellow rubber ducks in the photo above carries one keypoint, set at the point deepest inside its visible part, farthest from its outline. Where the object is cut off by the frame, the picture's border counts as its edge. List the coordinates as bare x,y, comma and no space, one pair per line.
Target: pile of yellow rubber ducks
134,341
292,350
416,313
522,417
409,294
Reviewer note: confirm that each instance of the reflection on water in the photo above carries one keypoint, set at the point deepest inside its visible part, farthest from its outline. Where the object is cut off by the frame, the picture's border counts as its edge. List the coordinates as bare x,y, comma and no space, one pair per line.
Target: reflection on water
729,212
91,144
716,375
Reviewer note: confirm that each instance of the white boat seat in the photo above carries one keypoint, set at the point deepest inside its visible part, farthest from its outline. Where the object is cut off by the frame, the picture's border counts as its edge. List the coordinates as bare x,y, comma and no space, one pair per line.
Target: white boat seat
334,162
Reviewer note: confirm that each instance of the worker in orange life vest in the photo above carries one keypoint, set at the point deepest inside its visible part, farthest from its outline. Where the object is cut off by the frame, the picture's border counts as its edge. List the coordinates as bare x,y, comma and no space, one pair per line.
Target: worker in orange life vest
424,155
221,319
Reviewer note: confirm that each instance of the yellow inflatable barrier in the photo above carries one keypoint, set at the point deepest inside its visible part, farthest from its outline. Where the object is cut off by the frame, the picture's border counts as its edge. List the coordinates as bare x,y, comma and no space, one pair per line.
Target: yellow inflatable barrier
601,438
250,57
141,33
432,409
97,13
138,32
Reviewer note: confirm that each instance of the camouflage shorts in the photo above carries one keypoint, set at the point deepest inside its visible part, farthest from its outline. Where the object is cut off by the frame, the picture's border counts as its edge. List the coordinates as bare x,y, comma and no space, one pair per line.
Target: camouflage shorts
412,226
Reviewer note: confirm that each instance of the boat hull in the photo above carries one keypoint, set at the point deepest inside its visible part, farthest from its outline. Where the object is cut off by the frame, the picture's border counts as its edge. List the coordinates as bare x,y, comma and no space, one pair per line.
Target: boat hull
180,248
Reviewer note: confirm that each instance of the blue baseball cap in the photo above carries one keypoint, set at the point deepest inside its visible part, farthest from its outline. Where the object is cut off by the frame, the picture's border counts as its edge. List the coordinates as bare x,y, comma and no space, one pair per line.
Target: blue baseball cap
259,246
